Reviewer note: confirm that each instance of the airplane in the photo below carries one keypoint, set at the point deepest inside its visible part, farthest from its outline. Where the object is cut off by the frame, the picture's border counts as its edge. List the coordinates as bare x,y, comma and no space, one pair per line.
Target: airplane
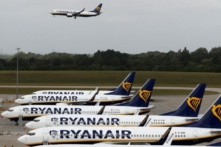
167,143
206,129
186,113
75,14
120,94
126,84
138,104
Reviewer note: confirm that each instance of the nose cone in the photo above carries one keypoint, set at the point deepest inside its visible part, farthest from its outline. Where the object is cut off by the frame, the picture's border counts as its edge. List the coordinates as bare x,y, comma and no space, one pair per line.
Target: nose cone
17,101
29,125
22,139
4,114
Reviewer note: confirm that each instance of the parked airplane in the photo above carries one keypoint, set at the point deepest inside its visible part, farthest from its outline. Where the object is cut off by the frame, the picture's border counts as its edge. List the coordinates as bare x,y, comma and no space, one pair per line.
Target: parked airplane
138,104
122,93
186,113
206,129
75,14
126,84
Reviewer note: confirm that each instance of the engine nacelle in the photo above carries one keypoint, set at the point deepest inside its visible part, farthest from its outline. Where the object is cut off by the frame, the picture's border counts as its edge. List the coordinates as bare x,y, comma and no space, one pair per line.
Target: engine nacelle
69,15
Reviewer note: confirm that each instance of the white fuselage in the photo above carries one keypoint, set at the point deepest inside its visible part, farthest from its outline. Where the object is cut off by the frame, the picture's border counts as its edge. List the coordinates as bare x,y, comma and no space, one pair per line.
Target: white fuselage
71,134
69,98
32,111
69,13
72,92
109,121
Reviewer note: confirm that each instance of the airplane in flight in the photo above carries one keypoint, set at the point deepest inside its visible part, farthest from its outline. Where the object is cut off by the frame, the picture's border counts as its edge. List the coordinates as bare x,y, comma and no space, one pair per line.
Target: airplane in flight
120,94
138,104
206,129
75,14
186,113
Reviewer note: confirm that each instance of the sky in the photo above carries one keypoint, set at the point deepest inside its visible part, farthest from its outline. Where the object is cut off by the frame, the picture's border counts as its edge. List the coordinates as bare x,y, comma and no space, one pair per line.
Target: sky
129,26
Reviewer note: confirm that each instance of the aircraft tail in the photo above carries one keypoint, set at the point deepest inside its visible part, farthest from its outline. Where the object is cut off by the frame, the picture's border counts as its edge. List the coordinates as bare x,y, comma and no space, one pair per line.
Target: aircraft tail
97,9
191,105
142,97
215,144
212,117
125,87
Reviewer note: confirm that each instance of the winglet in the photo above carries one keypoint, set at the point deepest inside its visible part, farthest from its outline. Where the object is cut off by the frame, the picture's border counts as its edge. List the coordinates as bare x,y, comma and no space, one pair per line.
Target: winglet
169,140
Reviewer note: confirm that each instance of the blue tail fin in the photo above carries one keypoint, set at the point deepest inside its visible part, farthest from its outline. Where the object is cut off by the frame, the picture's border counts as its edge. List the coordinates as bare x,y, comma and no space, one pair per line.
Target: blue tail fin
142,97
125,87
191,105
212,117
215,144
97,9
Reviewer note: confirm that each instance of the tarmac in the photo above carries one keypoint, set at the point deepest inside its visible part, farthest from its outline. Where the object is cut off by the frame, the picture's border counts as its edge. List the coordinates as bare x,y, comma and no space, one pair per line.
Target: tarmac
162,104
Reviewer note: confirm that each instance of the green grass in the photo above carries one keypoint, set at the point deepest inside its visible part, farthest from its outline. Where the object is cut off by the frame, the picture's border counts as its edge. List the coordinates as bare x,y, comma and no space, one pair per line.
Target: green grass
155,92
108,78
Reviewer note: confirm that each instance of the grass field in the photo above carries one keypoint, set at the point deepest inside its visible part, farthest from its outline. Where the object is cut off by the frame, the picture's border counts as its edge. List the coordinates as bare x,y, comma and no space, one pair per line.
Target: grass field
155,92
108,78
105,78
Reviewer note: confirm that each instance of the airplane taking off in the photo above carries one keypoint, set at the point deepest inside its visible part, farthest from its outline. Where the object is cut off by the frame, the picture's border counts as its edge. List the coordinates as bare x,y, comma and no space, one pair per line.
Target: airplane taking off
120,94
75,14
206,129
186,113
138,104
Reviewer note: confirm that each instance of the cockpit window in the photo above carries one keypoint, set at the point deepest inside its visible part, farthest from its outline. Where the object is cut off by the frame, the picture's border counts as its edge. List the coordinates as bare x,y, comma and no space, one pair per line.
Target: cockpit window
31,134
36,120
10,110
22,98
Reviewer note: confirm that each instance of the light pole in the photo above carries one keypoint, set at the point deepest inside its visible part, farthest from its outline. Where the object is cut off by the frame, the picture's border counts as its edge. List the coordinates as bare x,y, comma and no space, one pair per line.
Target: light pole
17,74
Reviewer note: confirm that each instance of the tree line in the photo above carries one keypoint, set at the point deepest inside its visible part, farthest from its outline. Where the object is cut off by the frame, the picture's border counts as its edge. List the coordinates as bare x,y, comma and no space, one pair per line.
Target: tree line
200,60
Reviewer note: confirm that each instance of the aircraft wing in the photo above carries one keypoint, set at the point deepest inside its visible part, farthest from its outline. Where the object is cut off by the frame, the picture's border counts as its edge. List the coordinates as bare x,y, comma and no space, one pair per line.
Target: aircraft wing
216,131
192,119
78,13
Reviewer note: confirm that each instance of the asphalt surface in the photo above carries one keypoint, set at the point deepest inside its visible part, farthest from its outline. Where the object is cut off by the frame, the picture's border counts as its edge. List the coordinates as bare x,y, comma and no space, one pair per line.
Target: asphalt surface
162,104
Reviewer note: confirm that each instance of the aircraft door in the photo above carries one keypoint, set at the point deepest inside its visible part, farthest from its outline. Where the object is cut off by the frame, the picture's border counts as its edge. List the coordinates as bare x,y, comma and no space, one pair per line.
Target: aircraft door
20,112
48,121
173,120
126,110
45,137
195,135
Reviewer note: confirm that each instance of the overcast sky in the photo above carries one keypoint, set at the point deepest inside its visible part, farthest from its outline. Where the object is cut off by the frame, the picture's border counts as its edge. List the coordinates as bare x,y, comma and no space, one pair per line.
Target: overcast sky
131,26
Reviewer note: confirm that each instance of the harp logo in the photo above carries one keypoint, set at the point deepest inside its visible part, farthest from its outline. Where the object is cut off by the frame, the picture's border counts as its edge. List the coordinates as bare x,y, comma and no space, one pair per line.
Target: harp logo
53,133
34,98
26,110
193,102
126,86
54,120
216,110
98,8
144,95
